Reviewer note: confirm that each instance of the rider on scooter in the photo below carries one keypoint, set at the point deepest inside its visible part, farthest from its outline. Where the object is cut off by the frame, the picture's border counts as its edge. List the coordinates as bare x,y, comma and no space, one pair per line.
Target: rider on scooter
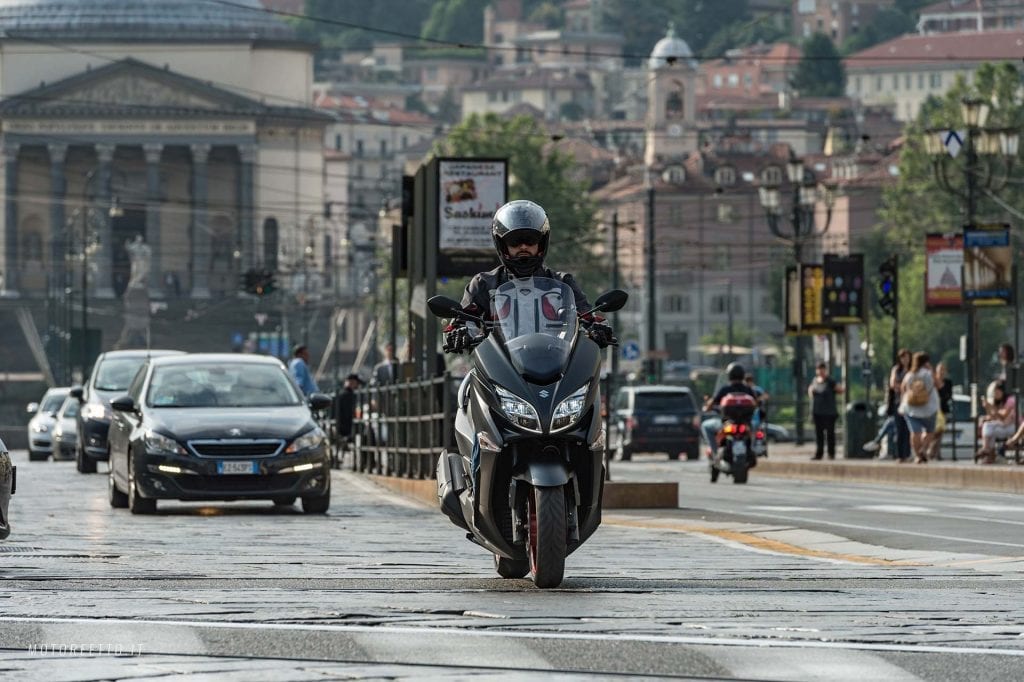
521,232
711,425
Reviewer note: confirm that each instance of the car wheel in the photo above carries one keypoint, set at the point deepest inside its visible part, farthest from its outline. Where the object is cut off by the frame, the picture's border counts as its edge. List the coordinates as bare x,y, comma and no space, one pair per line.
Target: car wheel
316,505
117,499
84,463
137,504
284,501
34,456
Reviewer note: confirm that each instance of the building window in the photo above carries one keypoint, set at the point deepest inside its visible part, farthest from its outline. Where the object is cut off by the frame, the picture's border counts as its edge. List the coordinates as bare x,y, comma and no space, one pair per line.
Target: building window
734,80
405,141
675,303
856,84
725,176
492,97
907,84
878,83
920,81
337,143
720,305
895,82
359,148
717,80
935,80
772,175
383,147
359,170
32,246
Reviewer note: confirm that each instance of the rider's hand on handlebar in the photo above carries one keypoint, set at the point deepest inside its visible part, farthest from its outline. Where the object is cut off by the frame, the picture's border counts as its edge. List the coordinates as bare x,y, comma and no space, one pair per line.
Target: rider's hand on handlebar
602,335
457,340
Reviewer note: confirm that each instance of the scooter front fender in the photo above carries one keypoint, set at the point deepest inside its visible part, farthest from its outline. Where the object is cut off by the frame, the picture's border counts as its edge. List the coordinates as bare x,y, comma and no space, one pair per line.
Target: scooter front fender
545,474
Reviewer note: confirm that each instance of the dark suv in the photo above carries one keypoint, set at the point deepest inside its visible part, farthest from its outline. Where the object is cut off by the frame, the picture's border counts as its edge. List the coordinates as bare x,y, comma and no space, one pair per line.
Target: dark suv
656,419
110,377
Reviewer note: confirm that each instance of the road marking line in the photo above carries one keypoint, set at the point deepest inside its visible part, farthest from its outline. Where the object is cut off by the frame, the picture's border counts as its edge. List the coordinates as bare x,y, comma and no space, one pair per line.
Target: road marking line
895,509
521,634
760,543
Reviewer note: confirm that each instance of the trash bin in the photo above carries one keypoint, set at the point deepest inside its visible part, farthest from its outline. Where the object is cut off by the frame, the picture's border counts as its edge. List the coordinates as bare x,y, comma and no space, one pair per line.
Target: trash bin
860,428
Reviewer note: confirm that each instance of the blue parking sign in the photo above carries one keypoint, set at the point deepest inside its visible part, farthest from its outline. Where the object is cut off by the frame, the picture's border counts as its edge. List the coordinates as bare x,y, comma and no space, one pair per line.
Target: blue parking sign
631,351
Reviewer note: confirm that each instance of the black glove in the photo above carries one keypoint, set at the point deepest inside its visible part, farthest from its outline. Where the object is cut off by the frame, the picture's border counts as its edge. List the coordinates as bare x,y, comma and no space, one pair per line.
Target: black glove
457,340
601,334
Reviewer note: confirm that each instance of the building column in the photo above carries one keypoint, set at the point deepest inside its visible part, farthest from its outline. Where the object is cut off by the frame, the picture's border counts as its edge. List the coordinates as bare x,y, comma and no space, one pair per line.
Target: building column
246,196
200,228
9,286
153,153
58,228
104,258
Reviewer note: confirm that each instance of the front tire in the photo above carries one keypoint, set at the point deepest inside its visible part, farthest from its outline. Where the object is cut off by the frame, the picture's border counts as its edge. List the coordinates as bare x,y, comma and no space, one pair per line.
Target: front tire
318,504
84,463
511,568
547,531
34,456
117,499
137,504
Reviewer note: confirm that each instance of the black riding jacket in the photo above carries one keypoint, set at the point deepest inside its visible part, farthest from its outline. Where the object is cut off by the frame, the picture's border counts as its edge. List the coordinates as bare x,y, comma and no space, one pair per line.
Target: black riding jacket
477,299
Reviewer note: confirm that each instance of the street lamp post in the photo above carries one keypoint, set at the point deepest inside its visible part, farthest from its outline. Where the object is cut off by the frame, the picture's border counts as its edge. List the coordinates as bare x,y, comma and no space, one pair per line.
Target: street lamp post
988,154
802,228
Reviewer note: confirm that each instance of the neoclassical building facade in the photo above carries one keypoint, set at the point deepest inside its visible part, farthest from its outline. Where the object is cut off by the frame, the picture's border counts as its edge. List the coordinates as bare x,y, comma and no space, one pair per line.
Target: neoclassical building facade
187,123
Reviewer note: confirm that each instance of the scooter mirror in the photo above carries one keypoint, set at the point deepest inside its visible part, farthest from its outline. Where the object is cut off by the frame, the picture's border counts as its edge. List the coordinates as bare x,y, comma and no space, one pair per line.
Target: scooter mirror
448,308
610,301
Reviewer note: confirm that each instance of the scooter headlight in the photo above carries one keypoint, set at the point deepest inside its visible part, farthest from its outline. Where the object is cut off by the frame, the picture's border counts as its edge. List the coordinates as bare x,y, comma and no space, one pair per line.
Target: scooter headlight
517,410
569,410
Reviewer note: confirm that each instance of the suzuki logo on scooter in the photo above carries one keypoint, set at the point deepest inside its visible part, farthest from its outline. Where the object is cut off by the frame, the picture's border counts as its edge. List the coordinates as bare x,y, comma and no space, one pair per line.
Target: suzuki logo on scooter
544,393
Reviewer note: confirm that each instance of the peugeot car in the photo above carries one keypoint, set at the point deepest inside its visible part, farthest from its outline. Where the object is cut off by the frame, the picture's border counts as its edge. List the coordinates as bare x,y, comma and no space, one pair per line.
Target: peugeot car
217,427
110,377
8,482
65,430
40,427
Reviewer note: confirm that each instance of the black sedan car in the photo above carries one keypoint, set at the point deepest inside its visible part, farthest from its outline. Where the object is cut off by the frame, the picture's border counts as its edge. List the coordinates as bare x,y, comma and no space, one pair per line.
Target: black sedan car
110,377
8,482
217,427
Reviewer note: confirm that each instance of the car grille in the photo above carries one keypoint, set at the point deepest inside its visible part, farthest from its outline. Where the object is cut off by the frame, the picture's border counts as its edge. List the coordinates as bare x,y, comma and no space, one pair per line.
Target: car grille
236,448
251,485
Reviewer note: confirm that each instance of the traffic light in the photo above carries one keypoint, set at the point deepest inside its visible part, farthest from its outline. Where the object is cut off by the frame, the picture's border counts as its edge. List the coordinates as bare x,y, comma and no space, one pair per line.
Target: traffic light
259,282
267,284
888,286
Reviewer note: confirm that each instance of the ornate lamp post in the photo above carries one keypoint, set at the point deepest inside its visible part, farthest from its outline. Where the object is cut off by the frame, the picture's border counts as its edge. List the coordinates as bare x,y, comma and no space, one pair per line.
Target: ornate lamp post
801,228
988,155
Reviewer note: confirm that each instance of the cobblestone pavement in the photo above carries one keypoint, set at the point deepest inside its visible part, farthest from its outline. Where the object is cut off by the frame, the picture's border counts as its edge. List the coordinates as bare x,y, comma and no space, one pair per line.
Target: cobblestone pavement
384,587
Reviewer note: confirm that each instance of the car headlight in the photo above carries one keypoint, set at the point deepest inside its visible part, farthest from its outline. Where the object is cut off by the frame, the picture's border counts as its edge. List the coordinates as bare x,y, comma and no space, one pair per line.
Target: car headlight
96,411
307,441
40,428
517,410
159,444
569,410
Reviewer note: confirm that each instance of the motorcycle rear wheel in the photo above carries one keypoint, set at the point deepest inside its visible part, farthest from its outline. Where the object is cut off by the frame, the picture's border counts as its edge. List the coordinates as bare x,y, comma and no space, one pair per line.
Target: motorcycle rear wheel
739,473
547,532
511,568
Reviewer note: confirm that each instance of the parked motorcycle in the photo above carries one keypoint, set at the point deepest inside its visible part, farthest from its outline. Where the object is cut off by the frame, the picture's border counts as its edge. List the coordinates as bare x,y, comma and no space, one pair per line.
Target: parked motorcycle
739,442
528,477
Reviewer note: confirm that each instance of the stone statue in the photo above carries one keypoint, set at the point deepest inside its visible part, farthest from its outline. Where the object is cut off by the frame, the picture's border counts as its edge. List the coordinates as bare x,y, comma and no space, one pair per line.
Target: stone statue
140,255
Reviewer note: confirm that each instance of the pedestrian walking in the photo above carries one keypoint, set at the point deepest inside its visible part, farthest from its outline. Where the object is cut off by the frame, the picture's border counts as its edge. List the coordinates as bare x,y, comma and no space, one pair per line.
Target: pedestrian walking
823,391
919,404
894,428
944,388
299,368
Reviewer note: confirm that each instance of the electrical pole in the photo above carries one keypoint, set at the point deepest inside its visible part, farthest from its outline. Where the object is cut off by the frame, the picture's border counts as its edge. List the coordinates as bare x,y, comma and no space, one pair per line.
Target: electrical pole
652,301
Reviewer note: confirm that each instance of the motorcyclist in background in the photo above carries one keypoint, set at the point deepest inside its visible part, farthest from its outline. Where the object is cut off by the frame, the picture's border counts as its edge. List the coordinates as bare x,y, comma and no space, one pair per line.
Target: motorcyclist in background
521,233
711,425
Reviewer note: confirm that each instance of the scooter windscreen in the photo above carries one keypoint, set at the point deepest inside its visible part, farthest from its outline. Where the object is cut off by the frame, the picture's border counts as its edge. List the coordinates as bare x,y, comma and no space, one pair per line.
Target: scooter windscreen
535,319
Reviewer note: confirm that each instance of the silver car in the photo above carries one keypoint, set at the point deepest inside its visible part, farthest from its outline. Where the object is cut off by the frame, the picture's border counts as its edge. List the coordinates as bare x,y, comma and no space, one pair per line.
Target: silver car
8,482
44,419
65,430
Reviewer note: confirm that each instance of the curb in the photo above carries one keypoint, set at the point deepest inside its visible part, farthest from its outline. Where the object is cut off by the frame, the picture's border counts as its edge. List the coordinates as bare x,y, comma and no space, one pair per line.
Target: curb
616,495
988,478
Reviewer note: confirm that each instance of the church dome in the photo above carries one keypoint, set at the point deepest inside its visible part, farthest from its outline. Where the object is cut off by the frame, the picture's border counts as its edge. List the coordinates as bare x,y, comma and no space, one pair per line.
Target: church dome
670,49
141,20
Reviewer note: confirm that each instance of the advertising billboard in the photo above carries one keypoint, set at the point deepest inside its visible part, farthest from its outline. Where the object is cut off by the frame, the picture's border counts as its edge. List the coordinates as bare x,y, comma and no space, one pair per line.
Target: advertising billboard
943,288
843,295
470,191
988,265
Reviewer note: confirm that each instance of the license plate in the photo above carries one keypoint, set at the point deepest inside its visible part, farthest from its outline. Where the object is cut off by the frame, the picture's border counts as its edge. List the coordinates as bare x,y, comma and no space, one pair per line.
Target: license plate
665,419
246,467
739,448
758,447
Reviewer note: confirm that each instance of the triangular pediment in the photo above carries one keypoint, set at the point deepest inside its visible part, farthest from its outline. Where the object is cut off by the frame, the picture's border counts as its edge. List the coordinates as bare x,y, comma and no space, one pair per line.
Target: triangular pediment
128,84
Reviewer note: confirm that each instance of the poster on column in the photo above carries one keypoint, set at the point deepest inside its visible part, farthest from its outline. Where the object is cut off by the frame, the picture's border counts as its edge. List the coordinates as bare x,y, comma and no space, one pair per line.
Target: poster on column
944,264
988,265
470,191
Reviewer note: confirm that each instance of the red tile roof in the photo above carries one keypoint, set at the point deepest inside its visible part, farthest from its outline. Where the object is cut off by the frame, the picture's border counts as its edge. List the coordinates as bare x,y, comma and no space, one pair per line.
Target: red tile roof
940,47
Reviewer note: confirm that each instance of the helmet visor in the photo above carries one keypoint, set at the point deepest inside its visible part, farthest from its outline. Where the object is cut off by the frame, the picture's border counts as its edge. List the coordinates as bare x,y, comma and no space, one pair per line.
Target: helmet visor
521,237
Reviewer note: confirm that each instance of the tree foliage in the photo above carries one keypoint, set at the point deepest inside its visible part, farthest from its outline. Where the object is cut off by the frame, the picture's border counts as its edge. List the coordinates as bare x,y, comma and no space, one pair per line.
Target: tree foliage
543,175
643,22
401,16
457,21
915,205
820,72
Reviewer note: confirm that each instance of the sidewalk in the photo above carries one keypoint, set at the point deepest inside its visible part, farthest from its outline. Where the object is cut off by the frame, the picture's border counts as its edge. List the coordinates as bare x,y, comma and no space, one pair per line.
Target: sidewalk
788,460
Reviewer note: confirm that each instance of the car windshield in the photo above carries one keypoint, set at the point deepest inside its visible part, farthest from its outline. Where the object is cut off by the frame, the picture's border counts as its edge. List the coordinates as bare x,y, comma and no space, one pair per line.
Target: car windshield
52,402
674,403
70,408
114,374
222,385
535,319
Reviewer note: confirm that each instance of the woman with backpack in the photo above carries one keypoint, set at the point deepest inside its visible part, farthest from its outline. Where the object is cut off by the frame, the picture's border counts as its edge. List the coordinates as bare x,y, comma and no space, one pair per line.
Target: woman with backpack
919,404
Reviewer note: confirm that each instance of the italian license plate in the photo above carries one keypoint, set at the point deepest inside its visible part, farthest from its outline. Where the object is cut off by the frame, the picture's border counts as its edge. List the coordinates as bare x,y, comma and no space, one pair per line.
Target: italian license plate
739,448
666,419
246,467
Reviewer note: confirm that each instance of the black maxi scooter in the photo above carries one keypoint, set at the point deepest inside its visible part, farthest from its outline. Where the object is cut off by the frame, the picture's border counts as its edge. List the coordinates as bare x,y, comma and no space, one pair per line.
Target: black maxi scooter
528,476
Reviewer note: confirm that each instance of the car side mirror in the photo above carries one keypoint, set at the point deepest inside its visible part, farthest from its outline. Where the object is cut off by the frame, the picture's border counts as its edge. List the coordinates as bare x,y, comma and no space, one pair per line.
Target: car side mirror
32,408
610,301
123,403
77,393
319,401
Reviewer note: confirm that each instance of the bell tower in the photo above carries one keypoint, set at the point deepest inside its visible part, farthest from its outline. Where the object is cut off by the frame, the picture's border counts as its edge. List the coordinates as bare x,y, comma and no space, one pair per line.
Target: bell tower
671,121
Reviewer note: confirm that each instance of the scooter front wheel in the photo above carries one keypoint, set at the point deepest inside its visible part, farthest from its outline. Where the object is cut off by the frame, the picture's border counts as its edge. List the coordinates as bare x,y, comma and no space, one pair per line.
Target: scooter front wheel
546,542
